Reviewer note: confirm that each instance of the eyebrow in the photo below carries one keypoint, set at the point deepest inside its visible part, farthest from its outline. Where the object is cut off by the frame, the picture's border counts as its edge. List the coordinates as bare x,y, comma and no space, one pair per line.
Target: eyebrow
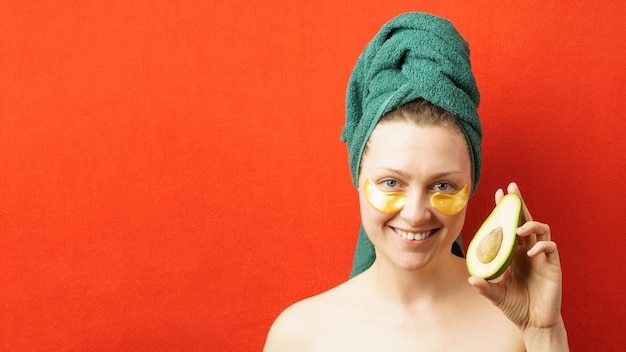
406,175
392,170
446,174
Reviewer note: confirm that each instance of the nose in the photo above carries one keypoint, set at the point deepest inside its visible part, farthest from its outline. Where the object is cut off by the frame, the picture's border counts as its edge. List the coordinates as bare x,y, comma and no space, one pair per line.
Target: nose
417,209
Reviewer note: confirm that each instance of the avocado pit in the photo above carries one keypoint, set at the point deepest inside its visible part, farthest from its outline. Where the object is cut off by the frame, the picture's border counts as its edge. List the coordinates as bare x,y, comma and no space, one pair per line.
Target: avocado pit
489,246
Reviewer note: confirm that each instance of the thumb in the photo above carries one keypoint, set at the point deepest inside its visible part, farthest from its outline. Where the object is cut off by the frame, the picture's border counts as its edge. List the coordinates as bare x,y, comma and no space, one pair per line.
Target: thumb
491,290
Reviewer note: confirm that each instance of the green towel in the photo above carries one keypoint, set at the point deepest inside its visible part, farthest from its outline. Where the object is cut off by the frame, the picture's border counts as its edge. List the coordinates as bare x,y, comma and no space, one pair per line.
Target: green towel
415,55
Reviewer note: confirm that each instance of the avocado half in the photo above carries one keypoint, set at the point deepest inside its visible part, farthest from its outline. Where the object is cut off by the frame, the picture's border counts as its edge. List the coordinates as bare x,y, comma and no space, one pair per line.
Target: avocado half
492,249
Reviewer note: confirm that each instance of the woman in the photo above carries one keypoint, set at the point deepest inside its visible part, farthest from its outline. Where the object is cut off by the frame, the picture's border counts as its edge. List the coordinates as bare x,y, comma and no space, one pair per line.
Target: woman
413,133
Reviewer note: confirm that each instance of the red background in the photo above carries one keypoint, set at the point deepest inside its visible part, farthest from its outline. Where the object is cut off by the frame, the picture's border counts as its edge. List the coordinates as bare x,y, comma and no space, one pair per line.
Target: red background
172,176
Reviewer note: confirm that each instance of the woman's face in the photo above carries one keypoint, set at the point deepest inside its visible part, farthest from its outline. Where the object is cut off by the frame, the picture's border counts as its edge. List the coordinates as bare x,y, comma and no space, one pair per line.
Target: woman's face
418,161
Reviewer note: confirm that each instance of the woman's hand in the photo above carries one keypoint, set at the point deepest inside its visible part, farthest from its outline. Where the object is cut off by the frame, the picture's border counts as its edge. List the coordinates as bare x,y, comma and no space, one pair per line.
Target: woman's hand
529,291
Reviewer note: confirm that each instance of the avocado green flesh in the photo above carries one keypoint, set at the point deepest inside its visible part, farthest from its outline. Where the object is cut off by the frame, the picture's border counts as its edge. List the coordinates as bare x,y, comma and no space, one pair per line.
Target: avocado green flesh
506,214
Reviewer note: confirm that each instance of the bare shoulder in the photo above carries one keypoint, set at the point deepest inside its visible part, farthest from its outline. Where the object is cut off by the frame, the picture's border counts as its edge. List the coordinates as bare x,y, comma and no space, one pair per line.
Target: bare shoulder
294,325
352,316
289,329
305,322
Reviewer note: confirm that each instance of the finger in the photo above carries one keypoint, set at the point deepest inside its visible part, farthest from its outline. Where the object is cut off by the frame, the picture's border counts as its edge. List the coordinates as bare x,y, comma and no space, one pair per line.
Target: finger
514,188
491,291
536,231
499,194
546,247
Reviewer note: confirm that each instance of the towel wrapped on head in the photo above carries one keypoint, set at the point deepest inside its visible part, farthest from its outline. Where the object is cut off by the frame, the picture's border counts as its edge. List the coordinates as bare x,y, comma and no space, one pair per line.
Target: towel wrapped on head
415,55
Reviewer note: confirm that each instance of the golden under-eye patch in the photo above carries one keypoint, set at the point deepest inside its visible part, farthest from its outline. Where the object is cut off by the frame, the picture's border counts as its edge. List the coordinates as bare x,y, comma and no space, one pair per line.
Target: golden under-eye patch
384,202
391,202
450,204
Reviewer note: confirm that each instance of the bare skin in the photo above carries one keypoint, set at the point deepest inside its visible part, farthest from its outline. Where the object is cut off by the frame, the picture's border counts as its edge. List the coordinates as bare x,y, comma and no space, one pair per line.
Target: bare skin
417,296
364,314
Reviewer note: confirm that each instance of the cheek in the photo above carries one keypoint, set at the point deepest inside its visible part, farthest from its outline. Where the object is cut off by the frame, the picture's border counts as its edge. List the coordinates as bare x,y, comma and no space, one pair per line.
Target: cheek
369,215
455,222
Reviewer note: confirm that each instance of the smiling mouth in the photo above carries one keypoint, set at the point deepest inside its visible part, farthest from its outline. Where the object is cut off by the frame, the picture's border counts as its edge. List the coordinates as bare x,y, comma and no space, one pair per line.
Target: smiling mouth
413,236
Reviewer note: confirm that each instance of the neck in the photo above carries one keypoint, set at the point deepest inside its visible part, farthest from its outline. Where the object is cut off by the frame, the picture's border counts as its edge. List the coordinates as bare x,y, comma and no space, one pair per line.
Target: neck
426,285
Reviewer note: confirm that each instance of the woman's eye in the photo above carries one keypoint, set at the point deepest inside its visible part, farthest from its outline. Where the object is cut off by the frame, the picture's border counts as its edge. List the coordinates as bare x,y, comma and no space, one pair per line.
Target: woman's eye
390,184
443,187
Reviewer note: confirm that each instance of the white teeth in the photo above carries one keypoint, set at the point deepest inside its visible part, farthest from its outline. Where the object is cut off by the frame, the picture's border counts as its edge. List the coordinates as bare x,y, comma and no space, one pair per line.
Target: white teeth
412,236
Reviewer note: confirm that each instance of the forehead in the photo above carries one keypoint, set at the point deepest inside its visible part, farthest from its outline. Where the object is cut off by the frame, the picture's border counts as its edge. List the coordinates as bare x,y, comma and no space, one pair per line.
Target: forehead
417,149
